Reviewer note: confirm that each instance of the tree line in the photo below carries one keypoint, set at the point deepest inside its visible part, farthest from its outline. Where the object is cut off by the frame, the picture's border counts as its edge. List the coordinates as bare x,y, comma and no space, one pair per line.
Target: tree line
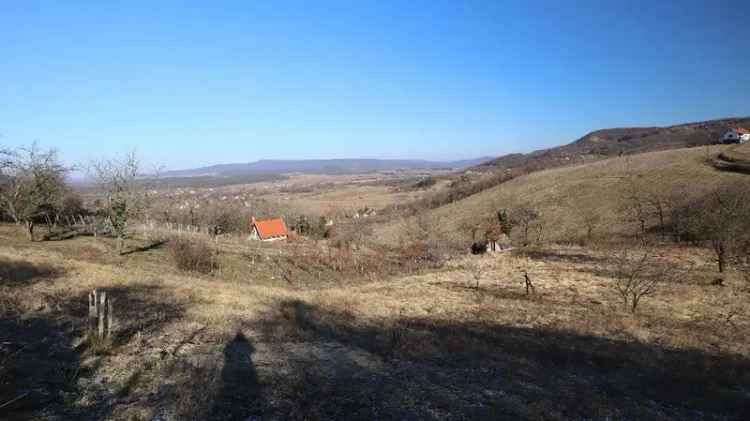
34,190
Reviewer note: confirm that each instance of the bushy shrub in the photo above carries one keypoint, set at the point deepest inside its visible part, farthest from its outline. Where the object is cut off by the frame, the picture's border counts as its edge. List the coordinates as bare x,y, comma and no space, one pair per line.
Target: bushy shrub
193,255
479,247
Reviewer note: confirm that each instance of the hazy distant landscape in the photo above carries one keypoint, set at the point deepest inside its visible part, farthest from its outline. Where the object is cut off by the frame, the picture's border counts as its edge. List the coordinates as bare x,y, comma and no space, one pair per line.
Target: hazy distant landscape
321,166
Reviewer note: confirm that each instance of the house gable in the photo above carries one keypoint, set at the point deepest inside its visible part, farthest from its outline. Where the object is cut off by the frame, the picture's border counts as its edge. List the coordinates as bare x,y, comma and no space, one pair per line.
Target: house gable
268,229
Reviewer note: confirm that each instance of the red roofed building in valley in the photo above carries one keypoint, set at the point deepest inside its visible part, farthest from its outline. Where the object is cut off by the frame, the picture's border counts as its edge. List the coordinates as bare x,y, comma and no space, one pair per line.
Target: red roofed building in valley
268,229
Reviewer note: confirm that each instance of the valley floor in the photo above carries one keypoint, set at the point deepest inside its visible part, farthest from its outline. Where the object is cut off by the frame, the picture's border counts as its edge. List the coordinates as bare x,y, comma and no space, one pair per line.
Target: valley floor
248,346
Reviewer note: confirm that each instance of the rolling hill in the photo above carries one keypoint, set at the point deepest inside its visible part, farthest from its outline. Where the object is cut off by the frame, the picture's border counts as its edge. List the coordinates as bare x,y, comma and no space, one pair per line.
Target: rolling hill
563,196
608,143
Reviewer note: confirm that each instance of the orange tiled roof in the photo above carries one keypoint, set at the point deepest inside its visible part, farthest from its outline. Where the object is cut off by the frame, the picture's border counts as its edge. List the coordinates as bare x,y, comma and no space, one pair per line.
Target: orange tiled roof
740,130
269,228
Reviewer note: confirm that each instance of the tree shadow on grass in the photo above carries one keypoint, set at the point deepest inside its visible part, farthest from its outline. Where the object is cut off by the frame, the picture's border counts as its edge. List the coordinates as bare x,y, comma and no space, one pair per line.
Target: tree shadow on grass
38,367
137,307
152,246
484,370
19,273
60,235
571,258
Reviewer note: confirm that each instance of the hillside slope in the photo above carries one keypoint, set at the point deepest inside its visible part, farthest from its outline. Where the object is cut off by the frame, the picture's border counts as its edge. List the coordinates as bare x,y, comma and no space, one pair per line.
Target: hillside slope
564,196
608,143
735,158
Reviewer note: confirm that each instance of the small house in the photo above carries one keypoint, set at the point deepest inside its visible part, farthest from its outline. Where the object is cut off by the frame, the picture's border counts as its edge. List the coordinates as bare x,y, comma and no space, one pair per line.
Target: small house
736,135
499,243
268,229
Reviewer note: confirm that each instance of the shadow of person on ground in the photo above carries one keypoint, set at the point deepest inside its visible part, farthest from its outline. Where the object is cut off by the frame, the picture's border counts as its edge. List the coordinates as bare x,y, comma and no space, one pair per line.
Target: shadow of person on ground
240,394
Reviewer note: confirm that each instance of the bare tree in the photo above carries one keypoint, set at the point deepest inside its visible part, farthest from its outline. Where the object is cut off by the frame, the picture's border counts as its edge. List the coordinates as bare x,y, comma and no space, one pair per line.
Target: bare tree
476,272
72,204
32,186
471,228
591,219
725,214
528,283
524,217
120,183
637,274
351,235
634,207
720,218
658,205
421,241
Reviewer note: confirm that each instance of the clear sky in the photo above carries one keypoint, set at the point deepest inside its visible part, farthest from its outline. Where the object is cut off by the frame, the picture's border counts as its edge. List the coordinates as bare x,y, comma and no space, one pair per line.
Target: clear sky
191,84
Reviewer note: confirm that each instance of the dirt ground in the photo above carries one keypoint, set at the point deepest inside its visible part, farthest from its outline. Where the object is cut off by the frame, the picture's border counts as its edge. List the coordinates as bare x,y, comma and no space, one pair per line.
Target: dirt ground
246,344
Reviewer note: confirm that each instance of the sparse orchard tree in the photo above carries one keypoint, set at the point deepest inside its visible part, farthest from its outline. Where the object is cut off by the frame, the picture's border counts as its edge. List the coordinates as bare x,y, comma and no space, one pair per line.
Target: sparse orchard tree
32,186
634,207
471,228
539,227
119,182
726,217
476,272
637,273
591,219
493,232
72,204
684,219
353,234
721,218
524,217
506,225
421,241
659,207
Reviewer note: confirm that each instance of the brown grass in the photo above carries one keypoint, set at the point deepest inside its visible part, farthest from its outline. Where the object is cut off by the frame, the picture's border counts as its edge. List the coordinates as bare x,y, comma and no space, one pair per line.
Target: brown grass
193,254
564,196
424,346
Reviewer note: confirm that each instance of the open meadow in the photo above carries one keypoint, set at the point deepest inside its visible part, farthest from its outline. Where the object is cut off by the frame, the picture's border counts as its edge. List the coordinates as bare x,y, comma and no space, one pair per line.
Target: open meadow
311,329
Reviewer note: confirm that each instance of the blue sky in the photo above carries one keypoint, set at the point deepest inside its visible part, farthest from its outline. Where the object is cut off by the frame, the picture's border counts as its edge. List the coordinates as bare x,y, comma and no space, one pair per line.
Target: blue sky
190,84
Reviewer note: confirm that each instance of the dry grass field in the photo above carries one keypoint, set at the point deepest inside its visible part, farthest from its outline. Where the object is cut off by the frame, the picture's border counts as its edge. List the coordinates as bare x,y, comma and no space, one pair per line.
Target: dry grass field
564,196
739,153
735,158
244,343
312,194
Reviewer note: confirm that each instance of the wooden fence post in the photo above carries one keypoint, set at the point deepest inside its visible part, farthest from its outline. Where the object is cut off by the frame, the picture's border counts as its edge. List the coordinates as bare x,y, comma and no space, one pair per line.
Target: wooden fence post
102,311
92,309
110,317
101,315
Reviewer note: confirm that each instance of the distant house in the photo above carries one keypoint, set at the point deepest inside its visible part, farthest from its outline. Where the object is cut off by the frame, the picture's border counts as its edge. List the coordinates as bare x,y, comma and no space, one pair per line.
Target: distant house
736,135
498,243
268,229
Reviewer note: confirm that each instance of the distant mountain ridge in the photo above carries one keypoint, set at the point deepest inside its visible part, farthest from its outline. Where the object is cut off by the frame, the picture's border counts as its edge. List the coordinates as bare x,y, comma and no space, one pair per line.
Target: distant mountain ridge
323,166
607,143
